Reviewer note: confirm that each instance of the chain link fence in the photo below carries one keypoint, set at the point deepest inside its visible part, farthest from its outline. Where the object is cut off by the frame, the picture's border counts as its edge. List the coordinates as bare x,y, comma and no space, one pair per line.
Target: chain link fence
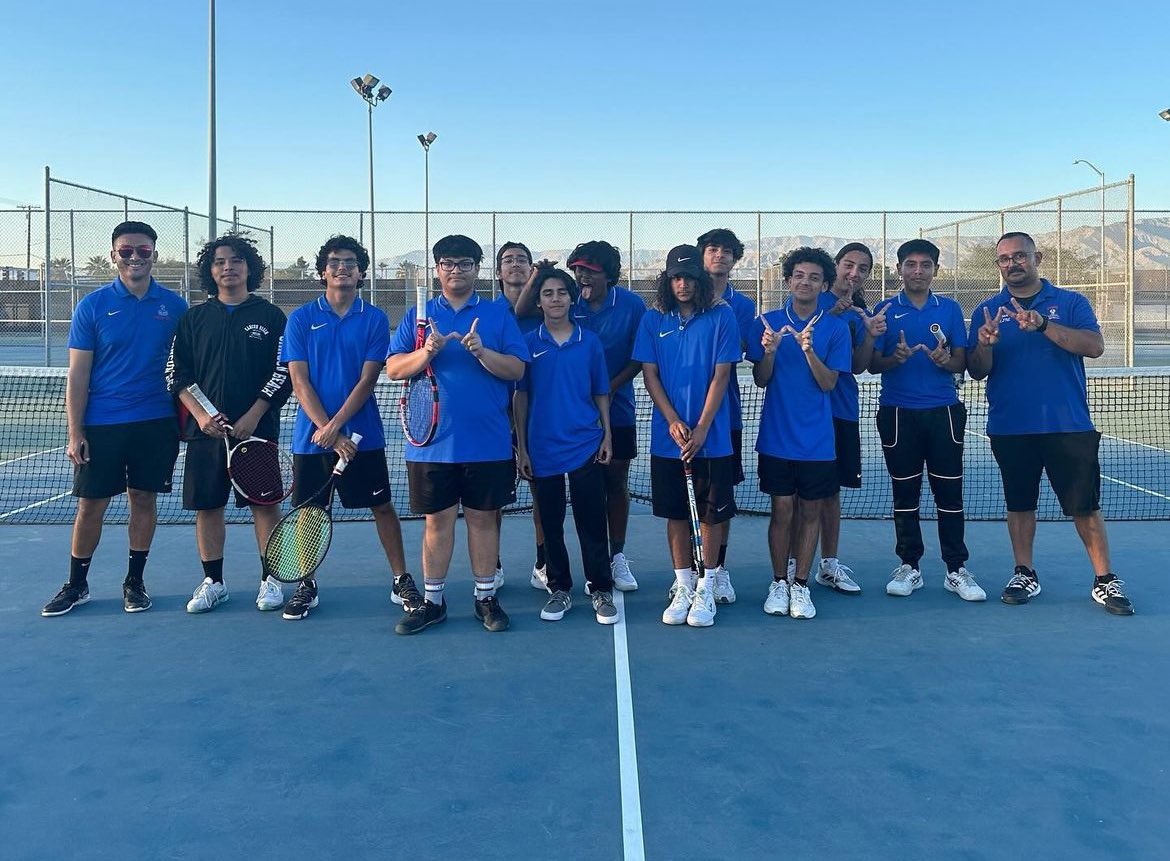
22,259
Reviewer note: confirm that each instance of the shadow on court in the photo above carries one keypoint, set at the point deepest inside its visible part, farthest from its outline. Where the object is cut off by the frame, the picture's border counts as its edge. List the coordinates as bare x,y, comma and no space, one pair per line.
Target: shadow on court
903,728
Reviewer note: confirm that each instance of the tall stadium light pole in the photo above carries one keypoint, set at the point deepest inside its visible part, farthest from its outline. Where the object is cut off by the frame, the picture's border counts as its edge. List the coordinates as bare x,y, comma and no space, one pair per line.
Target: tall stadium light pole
364,87
426,141
1101,276
212,221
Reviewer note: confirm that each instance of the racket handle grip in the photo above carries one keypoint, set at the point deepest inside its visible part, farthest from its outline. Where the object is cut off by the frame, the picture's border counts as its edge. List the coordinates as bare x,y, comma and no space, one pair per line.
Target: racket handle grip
342,463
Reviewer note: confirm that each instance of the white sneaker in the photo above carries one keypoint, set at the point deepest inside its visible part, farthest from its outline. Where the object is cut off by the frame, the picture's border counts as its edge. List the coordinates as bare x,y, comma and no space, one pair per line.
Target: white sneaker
539,578
702,612
724,592
270,596
207,596
623,577
837,576
777,602
962,583
801,605
906,580
680,605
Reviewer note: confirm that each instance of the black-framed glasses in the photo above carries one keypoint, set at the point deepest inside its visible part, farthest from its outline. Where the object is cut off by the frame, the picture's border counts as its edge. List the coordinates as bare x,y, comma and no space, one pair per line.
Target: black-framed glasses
127,251
452,265
1014,257
333,263
519,260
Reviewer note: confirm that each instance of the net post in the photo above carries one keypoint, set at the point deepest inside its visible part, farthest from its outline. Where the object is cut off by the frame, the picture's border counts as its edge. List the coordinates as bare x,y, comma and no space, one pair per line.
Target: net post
1129,294
46,291
759,262
630,249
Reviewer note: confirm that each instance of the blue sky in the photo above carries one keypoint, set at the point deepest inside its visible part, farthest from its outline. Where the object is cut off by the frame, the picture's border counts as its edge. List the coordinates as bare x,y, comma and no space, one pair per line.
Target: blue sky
602,105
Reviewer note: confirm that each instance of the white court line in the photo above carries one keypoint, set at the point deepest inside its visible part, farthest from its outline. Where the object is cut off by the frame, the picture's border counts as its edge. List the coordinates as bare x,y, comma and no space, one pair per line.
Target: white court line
632,846
34,454
35,504
1125,484
1134,442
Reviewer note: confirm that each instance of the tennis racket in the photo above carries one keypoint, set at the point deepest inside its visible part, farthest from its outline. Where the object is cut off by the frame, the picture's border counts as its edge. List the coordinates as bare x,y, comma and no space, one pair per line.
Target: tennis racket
419,405
298,543
696,530
259,469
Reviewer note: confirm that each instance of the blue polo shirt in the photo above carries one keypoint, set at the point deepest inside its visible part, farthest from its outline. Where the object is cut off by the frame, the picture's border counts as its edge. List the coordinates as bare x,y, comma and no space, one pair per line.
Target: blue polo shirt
919,383
564,426
473,406
335,349
745,314
1034,385
686,353
616,324
797,419
844,397
525,324
130,339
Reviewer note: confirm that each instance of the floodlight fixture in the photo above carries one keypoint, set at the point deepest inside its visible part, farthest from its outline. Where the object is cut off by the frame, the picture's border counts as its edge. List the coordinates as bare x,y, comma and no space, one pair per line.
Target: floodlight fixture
383,93
1165,114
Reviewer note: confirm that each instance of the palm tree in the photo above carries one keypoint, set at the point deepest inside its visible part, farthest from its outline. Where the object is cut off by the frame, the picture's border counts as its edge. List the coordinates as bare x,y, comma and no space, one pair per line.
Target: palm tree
98,267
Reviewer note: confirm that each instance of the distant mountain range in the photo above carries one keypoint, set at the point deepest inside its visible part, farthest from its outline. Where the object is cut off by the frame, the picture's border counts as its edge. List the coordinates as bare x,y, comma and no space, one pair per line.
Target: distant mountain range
1151,247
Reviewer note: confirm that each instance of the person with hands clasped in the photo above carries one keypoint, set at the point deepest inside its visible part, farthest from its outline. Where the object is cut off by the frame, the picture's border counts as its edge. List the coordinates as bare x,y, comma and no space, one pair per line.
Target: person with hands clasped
921,419
798,353
561,407
687,346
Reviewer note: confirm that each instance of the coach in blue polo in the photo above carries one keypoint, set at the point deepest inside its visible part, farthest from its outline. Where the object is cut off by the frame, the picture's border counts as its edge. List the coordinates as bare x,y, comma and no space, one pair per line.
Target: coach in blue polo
1030,341
477,352
123,434
921,419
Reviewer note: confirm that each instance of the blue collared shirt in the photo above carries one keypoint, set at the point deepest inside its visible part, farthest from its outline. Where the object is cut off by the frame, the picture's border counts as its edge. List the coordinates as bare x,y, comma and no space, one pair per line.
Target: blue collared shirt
919,383
130,339
686,353
1036,386
616,324
525,324
564,426
745,314
473,403
796,422
844,397
335,350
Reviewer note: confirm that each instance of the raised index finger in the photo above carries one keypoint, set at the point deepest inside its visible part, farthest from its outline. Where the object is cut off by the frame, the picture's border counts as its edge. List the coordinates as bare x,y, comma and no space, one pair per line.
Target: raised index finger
474,324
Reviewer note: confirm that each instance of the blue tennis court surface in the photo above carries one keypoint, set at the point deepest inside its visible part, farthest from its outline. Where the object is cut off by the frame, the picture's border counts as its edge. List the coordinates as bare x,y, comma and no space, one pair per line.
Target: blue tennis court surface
910,728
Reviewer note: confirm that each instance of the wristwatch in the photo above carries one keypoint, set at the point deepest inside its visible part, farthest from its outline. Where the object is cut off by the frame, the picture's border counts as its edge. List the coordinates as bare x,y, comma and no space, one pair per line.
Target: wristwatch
1043,323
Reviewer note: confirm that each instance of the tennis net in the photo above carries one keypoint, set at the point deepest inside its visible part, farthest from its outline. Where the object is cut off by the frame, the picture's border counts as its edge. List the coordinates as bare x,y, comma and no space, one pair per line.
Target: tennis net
1129,407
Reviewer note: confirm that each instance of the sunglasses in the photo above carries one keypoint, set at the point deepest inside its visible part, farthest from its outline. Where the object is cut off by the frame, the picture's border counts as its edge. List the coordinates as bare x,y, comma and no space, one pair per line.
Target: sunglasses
126,252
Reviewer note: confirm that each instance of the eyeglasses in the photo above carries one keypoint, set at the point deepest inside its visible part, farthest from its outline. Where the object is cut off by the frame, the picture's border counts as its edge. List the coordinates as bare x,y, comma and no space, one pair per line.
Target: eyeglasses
452,265
1015,257
333,264
512,261
126,252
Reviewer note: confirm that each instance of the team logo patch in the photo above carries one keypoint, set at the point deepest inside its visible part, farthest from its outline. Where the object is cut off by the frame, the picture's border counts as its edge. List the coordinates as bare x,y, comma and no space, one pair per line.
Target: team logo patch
256,331
163,313
1053,314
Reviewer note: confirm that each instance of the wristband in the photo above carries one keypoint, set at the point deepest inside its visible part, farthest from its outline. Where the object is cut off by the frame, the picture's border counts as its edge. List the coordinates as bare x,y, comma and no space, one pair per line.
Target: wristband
1043,324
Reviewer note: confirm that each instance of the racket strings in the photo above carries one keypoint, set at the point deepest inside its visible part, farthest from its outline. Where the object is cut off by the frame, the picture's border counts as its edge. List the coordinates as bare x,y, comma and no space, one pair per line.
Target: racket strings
419,412
298,544
263,471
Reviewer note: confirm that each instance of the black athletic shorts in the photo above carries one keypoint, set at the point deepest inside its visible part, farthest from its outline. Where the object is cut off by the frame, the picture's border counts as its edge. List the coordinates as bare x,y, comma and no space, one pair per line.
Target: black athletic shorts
136,455
808,479
737,455
364,484
1070,459
482,485
206,485
625,442
847,435
714,488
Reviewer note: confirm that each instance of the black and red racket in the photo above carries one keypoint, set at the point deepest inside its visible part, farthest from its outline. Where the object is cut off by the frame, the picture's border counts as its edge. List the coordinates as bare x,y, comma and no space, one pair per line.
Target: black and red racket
419,404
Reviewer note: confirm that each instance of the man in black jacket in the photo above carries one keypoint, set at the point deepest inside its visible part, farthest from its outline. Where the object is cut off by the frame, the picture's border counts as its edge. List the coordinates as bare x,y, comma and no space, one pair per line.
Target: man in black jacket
230,346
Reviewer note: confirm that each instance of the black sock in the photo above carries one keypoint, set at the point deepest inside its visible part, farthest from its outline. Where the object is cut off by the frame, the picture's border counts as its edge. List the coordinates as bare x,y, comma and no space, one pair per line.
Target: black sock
802,582
213,568
1107,577
722,554
137,564
539,555
78,570
616,547
499,564
263,568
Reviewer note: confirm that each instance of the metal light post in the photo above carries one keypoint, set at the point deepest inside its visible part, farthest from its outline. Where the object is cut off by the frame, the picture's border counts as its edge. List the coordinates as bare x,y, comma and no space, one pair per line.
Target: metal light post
212,221
364,87
1101,275
426,141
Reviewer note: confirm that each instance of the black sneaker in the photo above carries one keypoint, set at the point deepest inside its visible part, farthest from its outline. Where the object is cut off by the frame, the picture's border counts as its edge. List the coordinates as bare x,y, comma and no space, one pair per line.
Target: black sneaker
302,601
491,614
134,597
406,593
420,616
69,597
1107,592
1022,588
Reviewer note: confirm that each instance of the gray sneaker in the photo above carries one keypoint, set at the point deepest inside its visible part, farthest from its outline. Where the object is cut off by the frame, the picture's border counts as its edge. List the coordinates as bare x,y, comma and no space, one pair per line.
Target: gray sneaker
603,606
558,604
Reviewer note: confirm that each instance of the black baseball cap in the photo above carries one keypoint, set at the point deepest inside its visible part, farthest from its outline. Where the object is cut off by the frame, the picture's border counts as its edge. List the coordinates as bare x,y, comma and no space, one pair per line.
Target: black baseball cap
684,260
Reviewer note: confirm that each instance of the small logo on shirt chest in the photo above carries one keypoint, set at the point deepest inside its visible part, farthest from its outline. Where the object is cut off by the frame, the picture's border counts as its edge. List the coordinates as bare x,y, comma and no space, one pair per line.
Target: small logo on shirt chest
256,331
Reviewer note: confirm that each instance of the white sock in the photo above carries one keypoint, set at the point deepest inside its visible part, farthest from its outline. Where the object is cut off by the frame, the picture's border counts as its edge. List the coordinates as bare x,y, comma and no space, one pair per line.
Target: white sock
685,577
